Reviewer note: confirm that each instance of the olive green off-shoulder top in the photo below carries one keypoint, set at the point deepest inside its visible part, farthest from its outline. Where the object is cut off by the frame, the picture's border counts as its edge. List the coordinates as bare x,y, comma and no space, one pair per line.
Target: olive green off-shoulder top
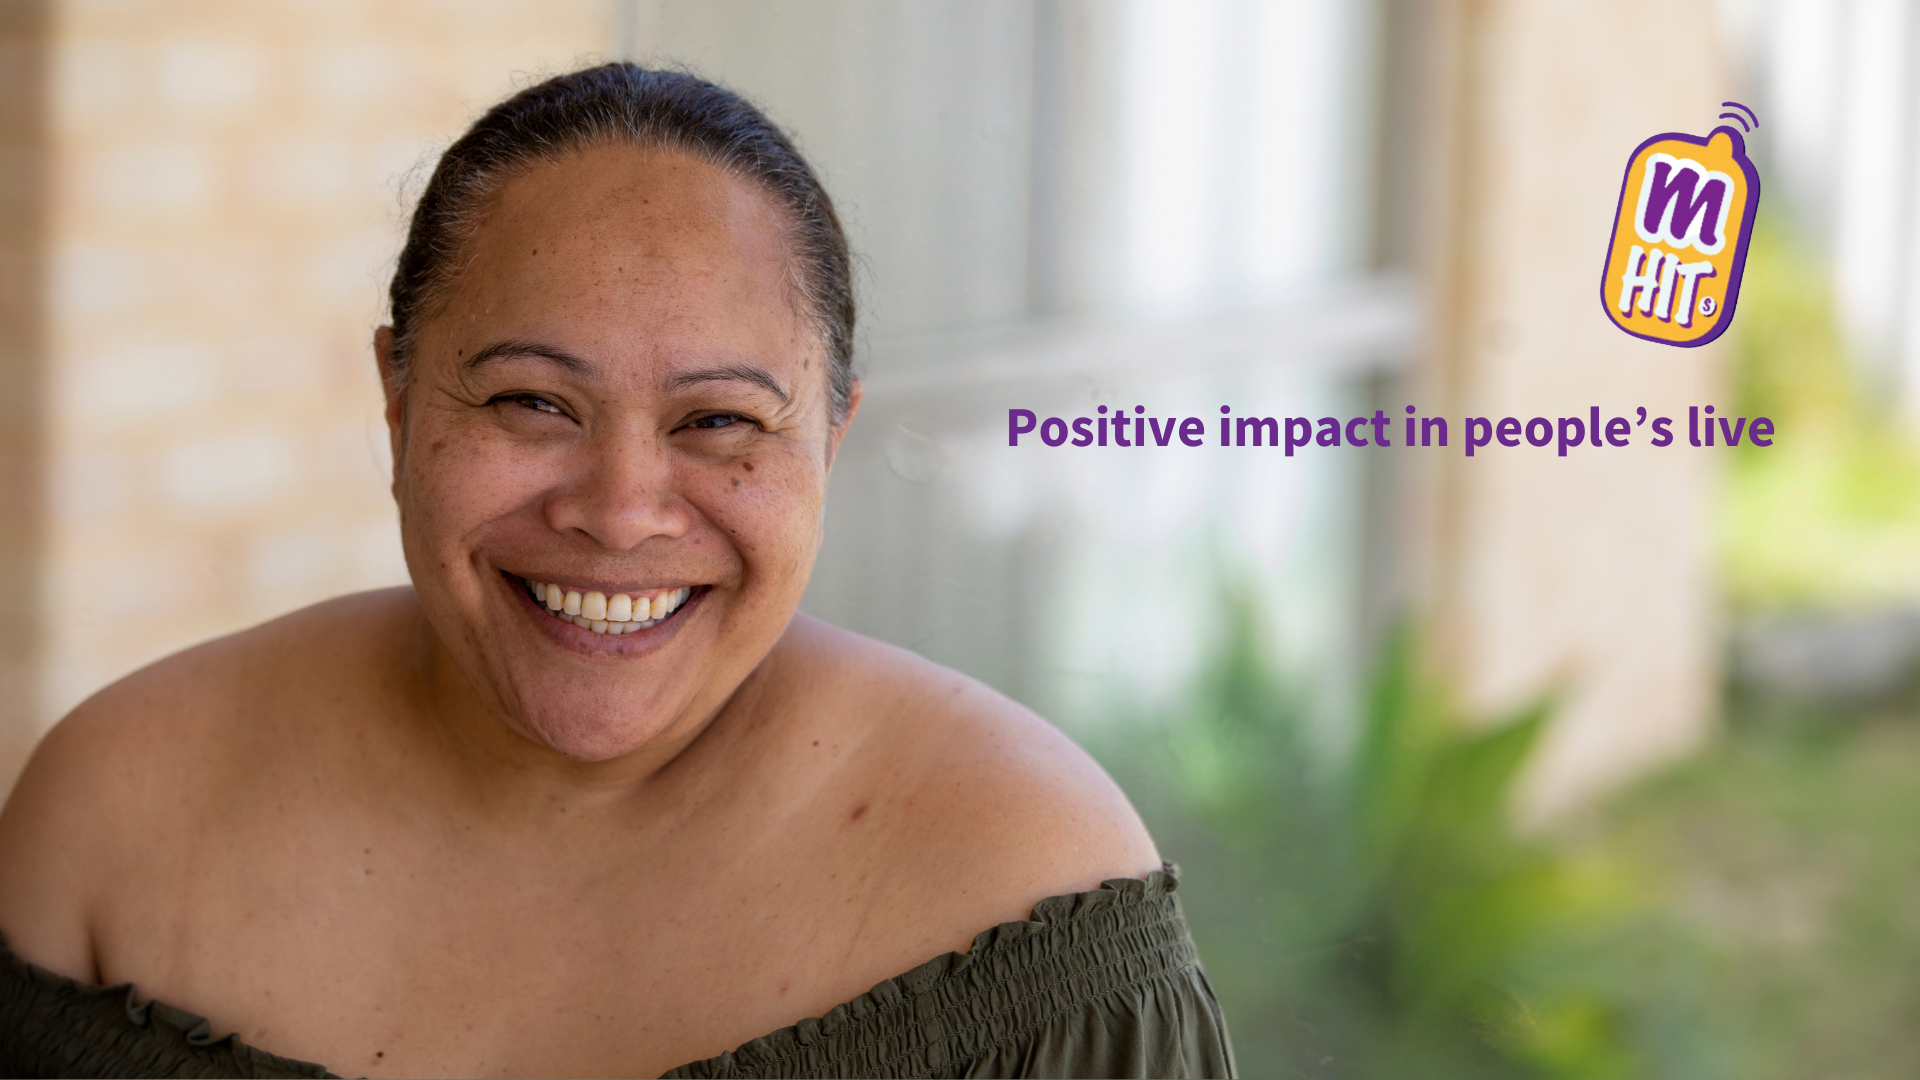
1103,983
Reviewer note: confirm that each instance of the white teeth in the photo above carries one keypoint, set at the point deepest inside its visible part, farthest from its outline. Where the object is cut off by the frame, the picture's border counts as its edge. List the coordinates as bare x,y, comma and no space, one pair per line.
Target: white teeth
620,613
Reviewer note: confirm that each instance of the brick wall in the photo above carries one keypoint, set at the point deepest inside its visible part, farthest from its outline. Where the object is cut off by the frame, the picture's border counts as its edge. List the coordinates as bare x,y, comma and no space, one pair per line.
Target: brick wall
212,193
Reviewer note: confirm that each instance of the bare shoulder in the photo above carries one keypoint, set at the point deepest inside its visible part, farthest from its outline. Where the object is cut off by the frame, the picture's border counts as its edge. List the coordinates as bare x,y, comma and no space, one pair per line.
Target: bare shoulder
993,807
140,761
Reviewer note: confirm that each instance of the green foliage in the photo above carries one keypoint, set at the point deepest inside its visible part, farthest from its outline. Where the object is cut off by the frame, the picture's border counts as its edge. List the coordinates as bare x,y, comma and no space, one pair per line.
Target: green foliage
1789,363
1373,912
1830,514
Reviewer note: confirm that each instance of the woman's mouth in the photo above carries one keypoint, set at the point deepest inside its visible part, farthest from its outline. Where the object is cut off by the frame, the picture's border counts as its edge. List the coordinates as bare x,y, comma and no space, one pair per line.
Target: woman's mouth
621,613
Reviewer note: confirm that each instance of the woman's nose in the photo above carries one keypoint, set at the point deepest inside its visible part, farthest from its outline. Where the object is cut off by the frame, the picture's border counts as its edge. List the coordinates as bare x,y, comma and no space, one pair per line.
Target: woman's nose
621,495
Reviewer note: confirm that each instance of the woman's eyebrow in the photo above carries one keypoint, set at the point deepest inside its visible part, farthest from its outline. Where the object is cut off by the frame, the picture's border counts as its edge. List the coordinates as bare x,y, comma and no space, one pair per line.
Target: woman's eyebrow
742,372
501,350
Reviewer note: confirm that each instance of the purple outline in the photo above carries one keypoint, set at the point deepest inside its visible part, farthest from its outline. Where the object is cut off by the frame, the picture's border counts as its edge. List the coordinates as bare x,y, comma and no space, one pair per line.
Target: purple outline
1739,252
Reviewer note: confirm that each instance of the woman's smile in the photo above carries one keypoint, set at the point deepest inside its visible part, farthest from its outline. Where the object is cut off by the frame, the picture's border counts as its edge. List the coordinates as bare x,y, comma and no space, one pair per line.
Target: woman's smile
581,616
610,612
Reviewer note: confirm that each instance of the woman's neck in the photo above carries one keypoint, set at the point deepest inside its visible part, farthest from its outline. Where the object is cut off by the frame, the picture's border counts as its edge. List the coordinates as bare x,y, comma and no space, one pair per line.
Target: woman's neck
495,770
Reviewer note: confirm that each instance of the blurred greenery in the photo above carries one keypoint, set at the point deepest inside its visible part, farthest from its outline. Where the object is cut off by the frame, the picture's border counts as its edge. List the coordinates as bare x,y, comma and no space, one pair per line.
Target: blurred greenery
1792,892
1830,514
1369,910
1373,913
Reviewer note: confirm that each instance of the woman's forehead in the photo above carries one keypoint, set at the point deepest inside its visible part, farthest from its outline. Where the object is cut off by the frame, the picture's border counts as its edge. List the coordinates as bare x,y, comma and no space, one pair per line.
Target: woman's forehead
615,241
633,202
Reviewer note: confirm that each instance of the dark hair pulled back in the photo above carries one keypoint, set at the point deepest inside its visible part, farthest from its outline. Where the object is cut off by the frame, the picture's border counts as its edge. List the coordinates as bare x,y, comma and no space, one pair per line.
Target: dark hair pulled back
623,103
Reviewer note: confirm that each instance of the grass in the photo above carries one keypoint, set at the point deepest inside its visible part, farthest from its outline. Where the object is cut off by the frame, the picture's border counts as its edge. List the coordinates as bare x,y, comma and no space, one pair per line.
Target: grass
1788,866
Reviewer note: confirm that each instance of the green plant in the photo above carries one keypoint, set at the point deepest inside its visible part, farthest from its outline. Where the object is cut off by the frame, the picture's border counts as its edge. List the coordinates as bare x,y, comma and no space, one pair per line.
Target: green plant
1374,912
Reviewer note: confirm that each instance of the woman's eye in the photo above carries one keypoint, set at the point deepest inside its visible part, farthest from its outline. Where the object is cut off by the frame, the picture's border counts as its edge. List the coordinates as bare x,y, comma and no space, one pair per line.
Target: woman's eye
537,403
718,420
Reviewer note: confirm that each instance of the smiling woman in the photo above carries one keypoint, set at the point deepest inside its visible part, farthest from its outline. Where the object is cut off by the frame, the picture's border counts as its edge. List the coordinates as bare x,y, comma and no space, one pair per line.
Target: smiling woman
590,797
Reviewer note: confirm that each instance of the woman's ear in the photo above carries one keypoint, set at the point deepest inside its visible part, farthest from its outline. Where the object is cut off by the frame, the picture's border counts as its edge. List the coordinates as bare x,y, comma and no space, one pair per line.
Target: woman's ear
390,383
839,430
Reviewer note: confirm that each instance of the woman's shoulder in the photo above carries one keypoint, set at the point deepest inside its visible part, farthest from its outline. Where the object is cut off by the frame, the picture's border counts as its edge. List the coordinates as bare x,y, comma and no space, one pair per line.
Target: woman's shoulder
149,755
991,808
231,688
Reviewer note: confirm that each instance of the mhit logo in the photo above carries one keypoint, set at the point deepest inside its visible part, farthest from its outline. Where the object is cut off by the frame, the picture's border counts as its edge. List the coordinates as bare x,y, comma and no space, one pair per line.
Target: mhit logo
1680,237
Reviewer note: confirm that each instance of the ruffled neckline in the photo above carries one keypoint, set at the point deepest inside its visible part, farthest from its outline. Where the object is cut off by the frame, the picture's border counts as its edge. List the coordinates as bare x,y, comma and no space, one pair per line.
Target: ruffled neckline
1053,915
174,1026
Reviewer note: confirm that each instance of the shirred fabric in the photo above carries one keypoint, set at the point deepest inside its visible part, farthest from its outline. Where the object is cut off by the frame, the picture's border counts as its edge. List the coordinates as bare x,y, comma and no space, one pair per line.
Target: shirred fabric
1096,984
51,1025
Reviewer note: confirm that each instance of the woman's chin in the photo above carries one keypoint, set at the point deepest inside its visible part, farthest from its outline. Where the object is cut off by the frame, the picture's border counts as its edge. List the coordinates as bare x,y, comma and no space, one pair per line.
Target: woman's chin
590,738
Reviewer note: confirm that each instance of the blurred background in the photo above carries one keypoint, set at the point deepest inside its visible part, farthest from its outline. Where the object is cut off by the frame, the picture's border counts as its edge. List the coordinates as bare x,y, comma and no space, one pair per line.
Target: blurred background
1518,765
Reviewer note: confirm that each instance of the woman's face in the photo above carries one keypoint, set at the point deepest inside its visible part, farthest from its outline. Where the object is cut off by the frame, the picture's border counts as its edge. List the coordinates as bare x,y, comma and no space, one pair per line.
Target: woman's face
620,396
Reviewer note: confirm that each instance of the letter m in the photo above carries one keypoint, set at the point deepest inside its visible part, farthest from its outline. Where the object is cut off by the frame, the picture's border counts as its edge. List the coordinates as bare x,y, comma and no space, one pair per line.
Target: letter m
1258,424
1683,204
